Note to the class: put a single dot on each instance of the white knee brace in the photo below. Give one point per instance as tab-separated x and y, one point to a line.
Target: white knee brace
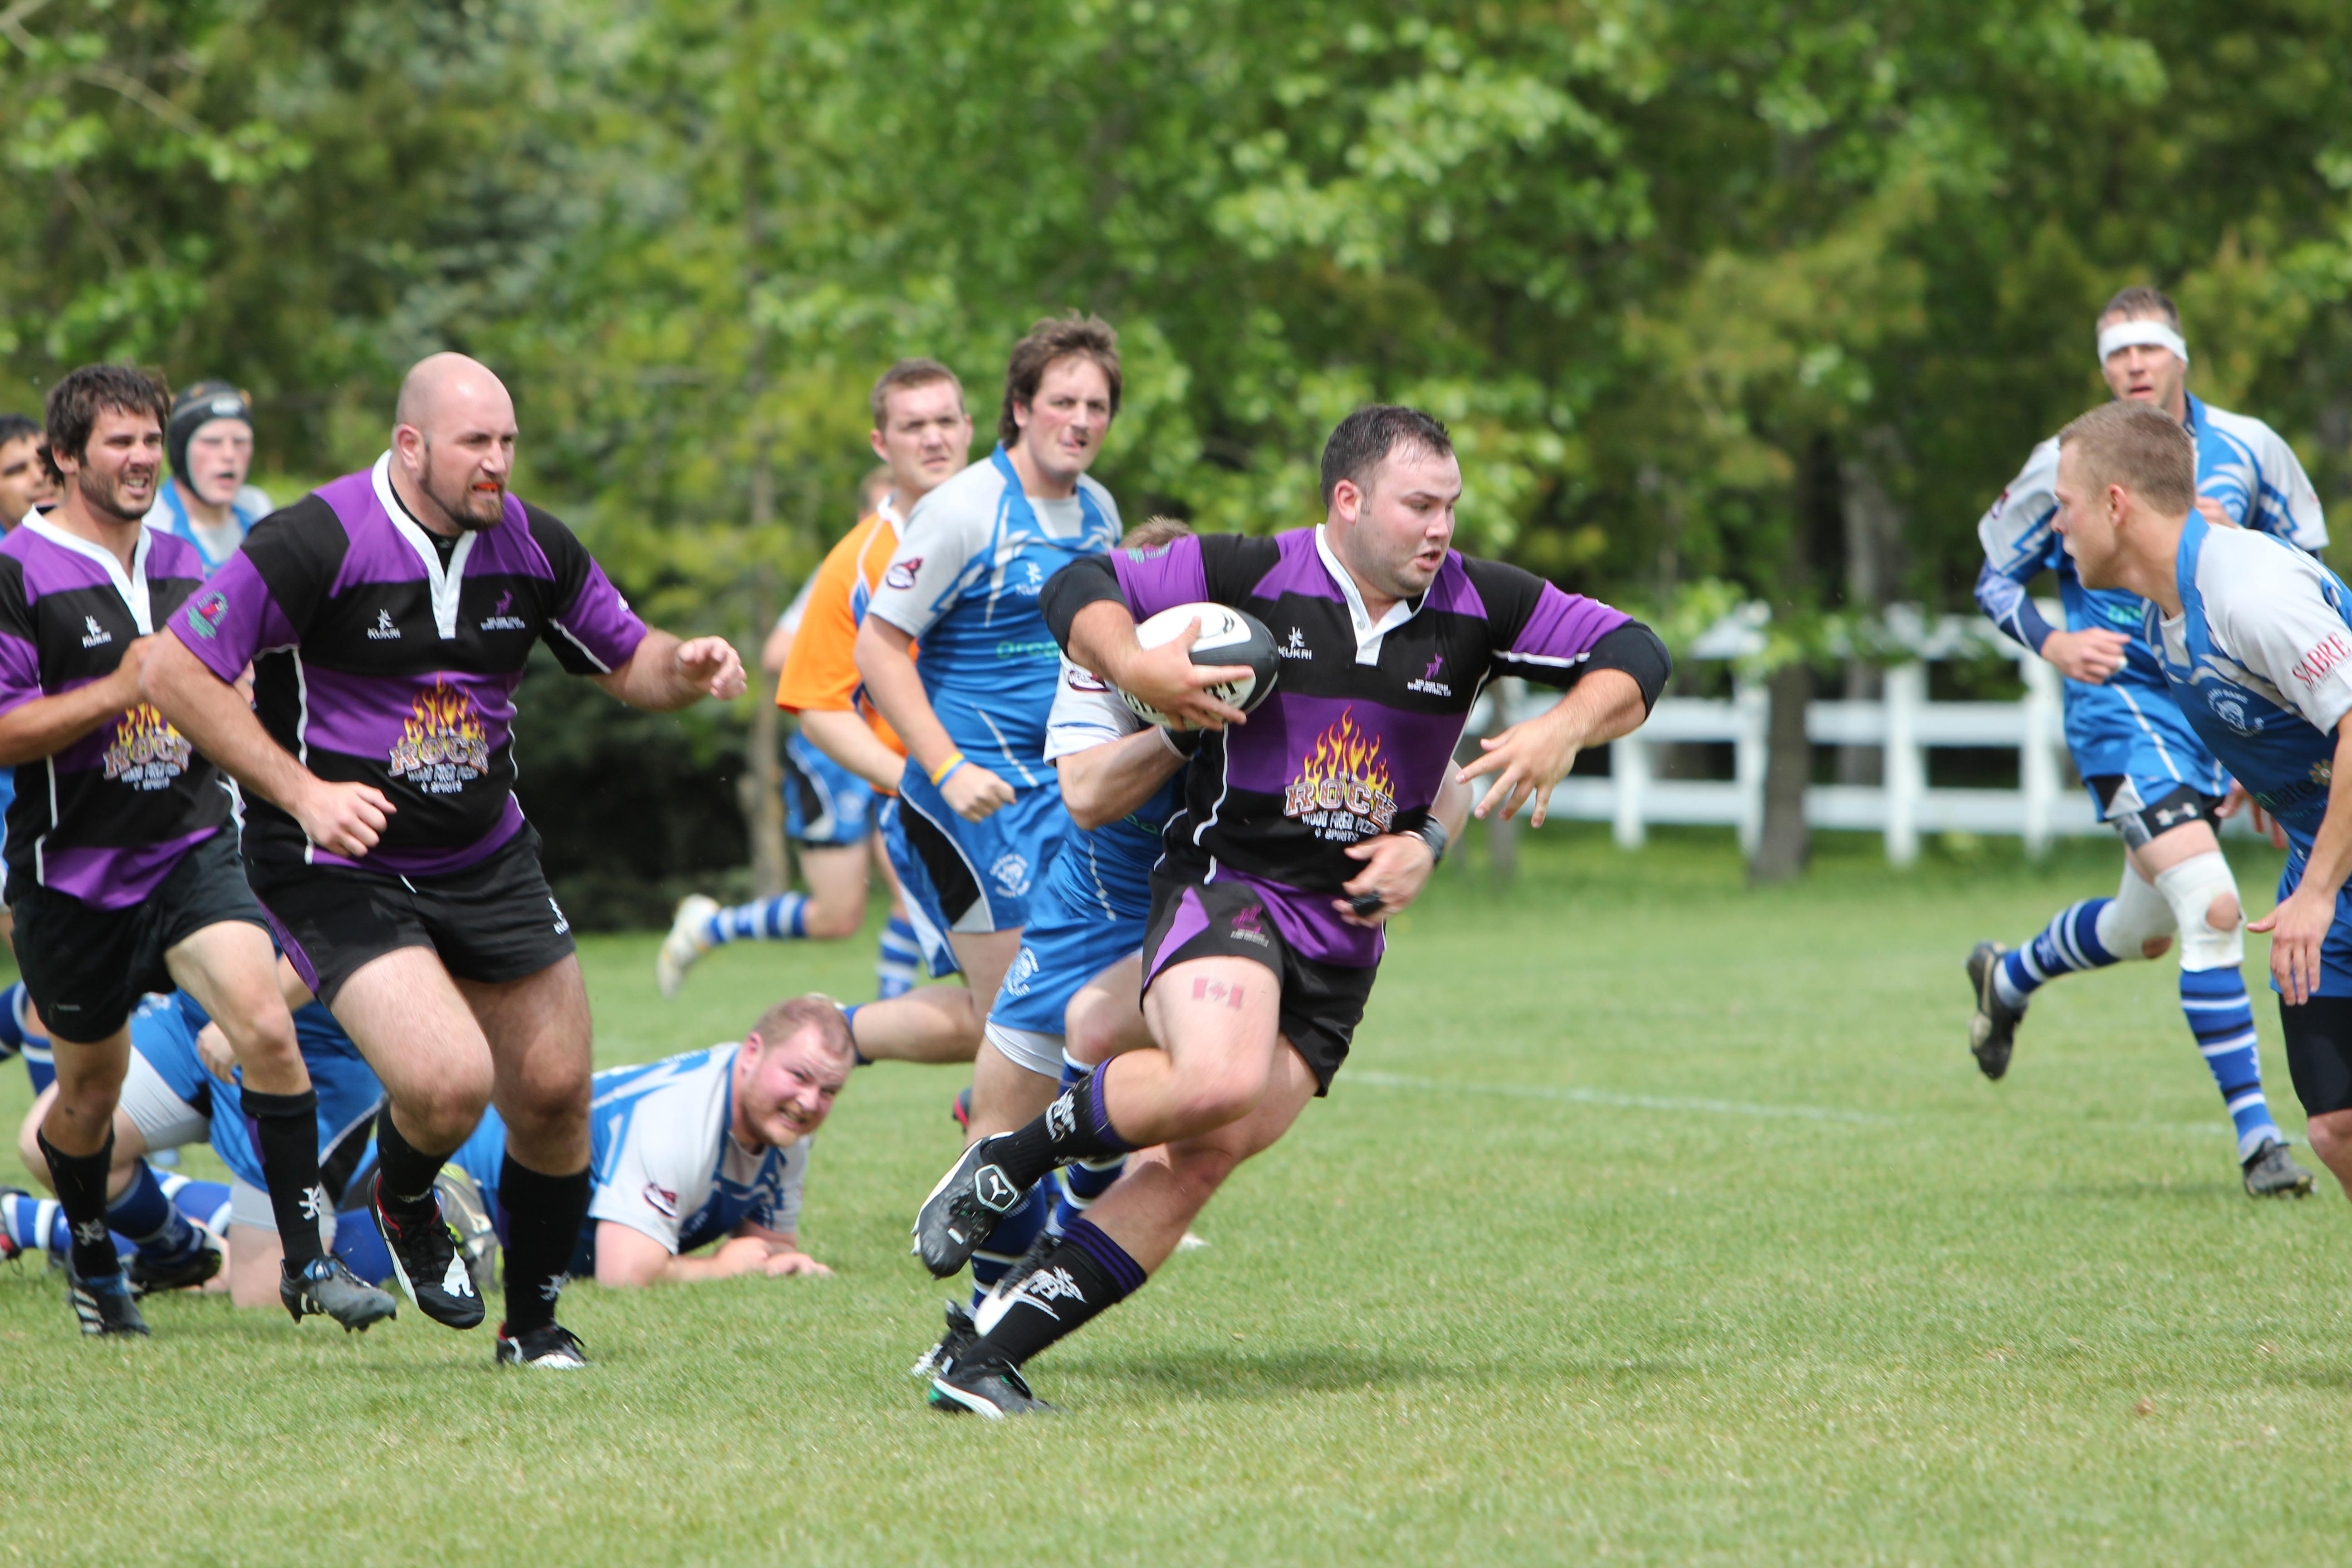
2137	915
2192	888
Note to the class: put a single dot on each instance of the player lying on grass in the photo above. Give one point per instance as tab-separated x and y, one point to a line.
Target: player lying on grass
711	1146
1306	828
2146	769
2255	641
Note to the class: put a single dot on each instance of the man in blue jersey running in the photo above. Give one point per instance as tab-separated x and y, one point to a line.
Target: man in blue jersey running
979	811
2255	643
2144	767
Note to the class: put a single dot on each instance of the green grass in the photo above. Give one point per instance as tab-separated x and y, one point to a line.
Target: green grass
1653	1220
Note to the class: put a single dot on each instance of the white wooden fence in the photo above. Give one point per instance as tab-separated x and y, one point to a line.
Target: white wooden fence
1903	724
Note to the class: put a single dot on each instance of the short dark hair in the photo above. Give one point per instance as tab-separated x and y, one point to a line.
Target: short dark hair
16	427
76	402
1368	435
789	1017
1074	335
2138	301
909	373
2140	447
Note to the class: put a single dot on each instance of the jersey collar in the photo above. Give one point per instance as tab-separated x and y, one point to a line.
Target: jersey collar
130	584
445	581
1368	636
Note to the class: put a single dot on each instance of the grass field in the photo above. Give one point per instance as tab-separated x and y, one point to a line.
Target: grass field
1653	1220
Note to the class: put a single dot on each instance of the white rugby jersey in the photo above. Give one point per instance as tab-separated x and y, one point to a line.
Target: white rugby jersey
666	1162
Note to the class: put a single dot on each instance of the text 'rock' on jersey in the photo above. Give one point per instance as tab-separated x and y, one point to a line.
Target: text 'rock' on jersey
106	817
377	663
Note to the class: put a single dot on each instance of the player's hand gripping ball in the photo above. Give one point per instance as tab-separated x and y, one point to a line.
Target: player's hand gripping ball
1228	636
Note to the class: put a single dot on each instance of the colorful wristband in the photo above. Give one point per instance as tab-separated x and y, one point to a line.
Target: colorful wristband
940	775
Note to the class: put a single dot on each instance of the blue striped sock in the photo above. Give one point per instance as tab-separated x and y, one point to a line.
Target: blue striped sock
894	958
1008	1241
205	1202
2223	1018
780	919
2068	944
143	1214
39	1225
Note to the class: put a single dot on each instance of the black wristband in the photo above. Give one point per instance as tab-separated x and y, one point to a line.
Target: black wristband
1433	833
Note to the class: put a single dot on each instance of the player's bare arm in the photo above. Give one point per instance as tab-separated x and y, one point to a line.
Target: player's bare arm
2089	656
888	665
47	725
1532	756
844	735
666	673
1103	784
343	819
2301	923
1102	639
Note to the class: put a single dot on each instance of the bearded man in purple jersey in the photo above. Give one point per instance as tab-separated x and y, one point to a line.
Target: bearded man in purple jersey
1307	825
388	616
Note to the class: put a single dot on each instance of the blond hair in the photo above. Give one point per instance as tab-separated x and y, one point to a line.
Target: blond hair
2140	447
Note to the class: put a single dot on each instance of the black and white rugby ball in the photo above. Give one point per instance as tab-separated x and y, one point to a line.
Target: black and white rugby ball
1227	636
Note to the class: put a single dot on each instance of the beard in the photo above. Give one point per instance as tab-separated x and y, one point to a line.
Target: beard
468	508
104	496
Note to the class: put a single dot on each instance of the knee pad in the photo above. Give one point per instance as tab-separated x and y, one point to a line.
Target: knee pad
2190	888
2137	915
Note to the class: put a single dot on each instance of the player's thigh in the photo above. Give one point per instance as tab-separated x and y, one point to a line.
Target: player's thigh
835	876
539	1033
1105	1017
1165	1188
255	1259
231	969
880	850
2169	849
1217	1017
984	956
1006	1095
408	1019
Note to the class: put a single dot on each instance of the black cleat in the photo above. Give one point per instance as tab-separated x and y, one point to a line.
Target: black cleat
953	1343
989	1388
963	1209
2271	1172
329	1289
961	1109
550	1347
425	1259
1992	1029
104	1307
148	1275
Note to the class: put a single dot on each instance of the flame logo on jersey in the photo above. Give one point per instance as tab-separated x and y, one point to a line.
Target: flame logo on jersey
443	747
147	754
1343	790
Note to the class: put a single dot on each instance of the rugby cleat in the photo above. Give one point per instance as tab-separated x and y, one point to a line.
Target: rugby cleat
460	1197
193	1268
991	1388
961	1109
685	943
550	1347
2271	1171
104	1305
10	1248
963	1209
953	1343
329	1289
1992	1027
425	1259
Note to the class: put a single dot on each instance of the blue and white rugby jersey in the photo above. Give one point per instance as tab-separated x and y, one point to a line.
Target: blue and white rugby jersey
170	515
965	579
666	1162
2112	727
1108	868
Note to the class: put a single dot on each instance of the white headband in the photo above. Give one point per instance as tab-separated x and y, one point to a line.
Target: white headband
2142	334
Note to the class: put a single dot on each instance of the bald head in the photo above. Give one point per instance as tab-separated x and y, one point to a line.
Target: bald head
453	444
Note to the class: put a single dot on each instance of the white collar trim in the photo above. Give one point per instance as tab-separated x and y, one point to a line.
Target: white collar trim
130	584
1368	636
445	581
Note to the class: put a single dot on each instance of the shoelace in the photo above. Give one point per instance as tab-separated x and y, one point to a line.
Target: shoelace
427	1237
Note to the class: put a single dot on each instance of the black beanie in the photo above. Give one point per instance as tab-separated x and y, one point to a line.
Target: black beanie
199	403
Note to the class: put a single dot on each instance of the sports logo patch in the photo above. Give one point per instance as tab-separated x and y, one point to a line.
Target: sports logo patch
1080	680
204	614
661	1200
146	752
443	747
901	573
1342	789
1023	970
1011	873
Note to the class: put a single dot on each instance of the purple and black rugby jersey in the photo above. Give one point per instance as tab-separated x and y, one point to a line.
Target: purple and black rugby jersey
1357	735
375	663
108	817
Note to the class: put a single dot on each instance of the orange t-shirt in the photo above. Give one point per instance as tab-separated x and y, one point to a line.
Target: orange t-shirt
820	670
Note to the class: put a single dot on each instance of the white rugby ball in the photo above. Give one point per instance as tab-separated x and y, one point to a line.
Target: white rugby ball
1227	636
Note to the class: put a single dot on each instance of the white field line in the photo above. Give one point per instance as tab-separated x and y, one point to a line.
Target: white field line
1615	1100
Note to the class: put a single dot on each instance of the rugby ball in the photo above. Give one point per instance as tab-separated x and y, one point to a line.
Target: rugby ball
1227	636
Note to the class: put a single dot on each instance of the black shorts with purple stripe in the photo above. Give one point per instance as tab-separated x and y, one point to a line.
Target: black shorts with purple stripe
493	922
1321	1002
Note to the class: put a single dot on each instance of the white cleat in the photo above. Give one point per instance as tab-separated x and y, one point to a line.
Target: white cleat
685	943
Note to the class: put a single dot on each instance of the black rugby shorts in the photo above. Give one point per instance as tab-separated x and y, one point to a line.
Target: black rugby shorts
86	968
2137	824
1321	1002
2319	1052
492	922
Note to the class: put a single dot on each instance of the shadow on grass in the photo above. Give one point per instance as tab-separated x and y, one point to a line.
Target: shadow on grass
1252	1375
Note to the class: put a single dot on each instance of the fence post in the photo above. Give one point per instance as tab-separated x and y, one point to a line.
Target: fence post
1906	766
1629	769
2037	758
1753	704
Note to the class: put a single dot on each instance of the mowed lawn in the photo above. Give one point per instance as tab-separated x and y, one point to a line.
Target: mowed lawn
1653	1220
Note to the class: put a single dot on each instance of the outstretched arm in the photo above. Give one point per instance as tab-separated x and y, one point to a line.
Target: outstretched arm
626	1257
1104	783
664	674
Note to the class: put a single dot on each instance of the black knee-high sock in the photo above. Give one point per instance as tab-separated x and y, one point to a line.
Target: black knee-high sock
408	1171
1087	1272
1077	1126
544	1214
81	1182
285	1129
